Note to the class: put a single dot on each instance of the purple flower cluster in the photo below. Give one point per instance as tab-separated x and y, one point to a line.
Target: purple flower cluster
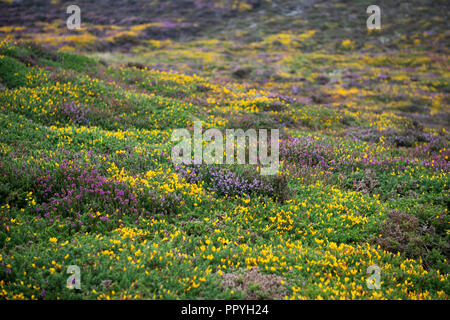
407	138
306	151
79	195
425	149
74	112
224	181
72	190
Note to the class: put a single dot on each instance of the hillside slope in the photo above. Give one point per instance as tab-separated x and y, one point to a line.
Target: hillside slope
87	178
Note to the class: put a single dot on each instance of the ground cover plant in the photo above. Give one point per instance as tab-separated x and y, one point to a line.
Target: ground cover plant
87	179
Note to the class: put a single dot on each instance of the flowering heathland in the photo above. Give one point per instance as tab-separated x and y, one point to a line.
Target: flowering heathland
87	179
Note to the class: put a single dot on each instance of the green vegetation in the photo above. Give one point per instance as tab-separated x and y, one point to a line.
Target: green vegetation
86	176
